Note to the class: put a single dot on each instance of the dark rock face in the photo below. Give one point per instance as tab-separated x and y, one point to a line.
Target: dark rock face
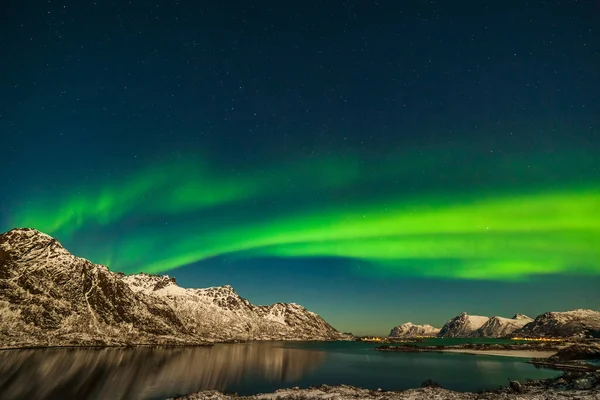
46	289
578	352
50	297
576	323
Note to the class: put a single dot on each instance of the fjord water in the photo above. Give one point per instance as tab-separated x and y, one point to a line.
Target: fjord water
245	368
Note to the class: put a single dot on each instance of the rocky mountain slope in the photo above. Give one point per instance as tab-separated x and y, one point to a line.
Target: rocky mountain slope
500	327
219	313
576	323
463	325
50	297
409	329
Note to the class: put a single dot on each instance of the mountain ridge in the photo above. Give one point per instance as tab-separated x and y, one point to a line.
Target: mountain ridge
462	325
579	323
50	297
500	327
408	329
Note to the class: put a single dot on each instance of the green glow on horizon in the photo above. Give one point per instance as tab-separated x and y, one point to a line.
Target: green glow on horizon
499	238
500	233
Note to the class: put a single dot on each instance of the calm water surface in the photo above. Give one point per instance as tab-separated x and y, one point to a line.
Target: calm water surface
157	373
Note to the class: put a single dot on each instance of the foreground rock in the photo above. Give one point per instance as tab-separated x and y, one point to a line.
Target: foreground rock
569	386
579	351
410	330
48	297
572	358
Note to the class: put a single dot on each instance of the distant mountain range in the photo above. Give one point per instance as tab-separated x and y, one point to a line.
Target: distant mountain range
465	325
576	323
49	297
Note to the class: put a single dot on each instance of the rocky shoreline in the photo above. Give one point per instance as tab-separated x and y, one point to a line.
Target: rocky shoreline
572	358
581	385
407	347
565	357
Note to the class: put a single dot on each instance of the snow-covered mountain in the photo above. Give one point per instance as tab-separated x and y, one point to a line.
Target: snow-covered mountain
50	297
409	329
466	325
463	325
219	313
576	323
500	326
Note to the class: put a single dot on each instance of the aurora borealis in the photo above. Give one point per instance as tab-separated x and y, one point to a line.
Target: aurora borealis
480	235
360	163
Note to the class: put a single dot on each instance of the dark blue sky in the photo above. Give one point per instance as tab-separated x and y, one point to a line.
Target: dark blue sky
321	108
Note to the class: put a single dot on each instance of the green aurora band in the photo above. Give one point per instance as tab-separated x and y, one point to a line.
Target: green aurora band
504	238
172	188
490	232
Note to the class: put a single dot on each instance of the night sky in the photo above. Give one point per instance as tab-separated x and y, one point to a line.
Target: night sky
376	161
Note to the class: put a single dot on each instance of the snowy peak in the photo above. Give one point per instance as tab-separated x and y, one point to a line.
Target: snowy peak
165	286
143	281
576	323
500	326
409	329
225	296
27	244
290	314
463	325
